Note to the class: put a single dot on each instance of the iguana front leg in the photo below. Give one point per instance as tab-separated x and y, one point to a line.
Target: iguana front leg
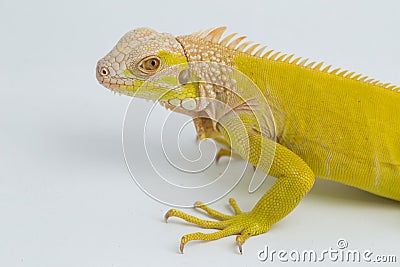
226	151
295	179
205	130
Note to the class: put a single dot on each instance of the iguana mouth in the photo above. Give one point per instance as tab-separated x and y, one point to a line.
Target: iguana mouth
121	86
117	88
187	105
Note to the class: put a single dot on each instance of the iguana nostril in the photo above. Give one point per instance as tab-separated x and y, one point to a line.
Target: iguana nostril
104	71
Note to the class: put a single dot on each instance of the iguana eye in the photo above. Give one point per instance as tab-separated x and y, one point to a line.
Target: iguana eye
149	65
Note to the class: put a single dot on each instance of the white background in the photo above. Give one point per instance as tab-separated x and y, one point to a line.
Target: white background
66	197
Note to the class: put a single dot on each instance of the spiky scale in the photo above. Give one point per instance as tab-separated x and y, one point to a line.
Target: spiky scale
241	47
273	57
287	60
303	62
326	69
215	35
296	60
226	40
204	33
281	57
269	52
375	82
252	48
318	66
342	73
310	65
235	42
260	51
369	80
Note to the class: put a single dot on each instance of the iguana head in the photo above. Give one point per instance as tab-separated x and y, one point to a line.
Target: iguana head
191	74
140	65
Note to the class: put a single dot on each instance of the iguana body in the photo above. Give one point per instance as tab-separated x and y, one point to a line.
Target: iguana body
329	123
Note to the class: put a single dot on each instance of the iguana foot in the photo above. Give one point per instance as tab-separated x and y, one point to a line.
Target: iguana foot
243	224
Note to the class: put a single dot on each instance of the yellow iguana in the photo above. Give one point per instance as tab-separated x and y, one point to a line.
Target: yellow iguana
333	124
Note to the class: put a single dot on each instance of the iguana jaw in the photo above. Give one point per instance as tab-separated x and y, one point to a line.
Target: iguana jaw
164	95
121	86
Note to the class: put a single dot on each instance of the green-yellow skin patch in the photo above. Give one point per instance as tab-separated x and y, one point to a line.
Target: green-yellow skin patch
172	59
164	81
351	126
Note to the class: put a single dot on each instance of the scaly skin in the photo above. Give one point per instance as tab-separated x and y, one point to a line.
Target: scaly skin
329	123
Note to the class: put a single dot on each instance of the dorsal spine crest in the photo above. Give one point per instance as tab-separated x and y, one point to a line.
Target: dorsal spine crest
214	35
